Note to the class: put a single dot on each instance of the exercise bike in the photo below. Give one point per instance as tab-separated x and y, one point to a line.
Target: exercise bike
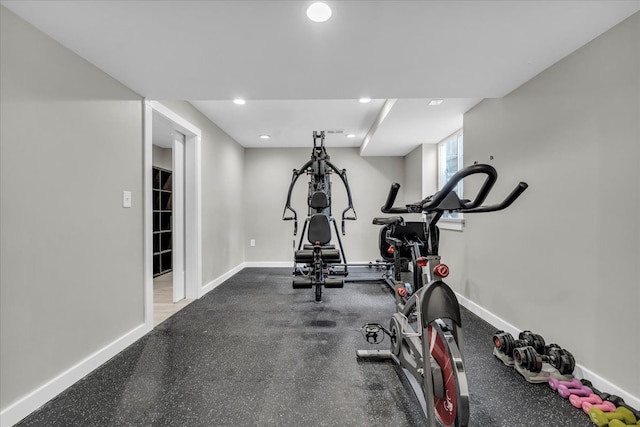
426	329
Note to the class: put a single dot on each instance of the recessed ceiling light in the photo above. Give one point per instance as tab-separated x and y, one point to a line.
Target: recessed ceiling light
351	135
436	101
319	12
364	100
239	101
265	136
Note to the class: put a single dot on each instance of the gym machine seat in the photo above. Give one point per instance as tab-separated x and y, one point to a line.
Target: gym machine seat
318	253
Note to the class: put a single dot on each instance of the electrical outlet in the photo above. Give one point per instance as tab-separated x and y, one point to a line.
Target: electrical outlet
252	242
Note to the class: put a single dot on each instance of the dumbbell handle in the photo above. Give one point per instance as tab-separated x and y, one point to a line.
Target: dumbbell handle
604	407
565	391
577	401
574	383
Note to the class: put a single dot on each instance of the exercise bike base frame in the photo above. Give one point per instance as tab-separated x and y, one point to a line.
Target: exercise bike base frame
387	355
443	411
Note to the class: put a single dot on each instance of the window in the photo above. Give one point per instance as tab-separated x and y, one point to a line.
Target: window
450	162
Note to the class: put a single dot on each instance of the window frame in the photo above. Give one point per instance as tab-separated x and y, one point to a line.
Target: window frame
451	223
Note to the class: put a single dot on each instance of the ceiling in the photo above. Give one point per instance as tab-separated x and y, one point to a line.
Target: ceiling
299	76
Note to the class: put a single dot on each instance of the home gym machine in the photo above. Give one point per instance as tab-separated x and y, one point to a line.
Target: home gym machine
426	329
317	260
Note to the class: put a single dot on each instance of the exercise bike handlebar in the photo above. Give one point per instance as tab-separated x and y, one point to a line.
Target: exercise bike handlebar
502	205
391	198
433	203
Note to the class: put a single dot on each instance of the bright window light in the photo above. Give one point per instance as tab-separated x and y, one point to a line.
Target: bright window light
239	101
450	161
265	136
319	12
364	100
351	135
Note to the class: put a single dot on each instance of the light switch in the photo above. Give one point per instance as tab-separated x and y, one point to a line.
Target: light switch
126	199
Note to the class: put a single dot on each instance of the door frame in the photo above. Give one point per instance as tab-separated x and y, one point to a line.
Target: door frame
192	204
178	226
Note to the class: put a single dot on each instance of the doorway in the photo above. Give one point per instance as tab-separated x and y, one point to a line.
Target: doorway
172	224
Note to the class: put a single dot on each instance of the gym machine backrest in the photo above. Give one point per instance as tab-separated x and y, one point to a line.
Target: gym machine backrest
319	228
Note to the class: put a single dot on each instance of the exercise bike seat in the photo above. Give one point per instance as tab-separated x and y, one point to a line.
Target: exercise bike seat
389	220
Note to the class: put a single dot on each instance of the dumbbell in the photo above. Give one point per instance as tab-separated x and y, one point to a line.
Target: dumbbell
505	342
621	413
574	383
559	358
570	388
565	391
577	401
616	400
604	407
618	423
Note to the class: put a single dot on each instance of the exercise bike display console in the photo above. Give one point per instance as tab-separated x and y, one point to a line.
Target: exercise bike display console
427	320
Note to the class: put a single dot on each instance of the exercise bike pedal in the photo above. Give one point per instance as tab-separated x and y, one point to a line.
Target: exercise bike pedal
374	333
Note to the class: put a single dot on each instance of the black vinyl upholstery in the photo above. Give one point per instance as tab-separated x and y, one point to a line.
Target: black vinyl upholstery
319	200
319	229
411	230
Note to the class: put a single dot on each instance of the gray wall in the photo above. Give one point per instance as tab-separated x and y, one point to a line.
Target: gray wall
162	157
267	178
429	169
72	257
413	175
222	166
563	261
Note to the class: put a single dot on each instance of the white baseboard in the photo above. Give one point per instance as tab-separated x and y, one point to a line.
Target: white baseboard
276	264
579	372
218	281
34	400
487	316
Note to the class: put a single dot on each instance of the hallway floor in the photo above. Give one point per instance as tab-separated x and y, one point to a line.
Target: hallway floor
255	352
163	305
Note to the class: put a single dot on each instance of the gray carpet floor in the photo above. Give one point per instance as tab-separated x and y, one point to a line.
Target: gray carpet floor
255	352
